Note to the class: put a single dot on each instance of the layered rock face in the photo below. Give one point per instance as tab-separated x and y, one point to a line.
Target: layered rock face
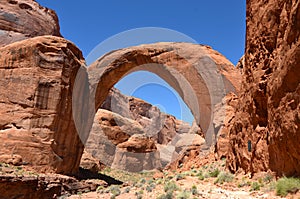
36	103
23	19
36	84
133	135
266	129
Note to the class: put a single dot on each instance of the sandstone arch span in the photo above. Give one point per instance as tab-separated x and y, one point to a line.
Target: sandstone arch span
200	75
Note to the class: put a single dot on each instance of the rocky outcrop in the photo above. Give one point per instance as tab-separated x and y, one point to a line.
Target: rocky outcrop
36	85
265	132
23	19
133	135
44	186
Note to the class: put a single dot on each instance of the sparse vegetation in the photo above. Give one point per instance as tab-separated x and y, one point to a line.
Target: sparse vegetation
214	173
194	190
100	189
115	190
168	195
287	185
170	186
201	177
268	178
179	177
224	177
243	183
174	185
183	195
255	186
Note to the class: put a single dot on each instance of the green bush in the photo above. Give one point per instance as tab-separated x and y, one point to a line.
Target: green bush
224	177
214	173
170	186
201	177
255	186
287	185
194	190
183	195
168	195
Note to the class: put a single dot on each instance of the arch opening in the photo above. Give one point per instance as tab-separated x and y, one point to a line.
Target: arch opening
131	134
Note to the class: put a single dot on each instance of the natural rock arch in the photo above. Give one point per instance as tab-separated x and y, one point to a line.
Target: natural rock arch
200	75
52	133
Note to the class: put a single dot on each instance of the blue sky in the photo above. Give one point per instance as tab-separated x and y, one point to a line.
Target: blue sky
220	24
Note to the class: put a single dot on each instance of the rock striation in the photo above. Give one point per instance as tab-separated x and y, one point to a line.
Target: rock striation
265	132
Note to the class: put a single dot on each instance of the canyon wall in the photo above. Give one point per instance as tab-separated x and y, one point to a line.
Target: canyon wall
265	132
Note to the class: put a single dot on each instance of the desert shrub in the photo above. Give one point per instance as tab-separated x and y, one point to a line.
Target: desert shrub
179	177
194	172
201	177
194	190
139	195
183	195
243	183
115	190
214	173
287	185
100	189
149	189
168	195
170	186
224	177
255	186
268	178
159	181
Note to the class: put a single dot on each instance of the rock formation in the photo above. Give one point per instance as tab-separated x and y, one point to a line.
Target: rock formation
47	107
134	137
36	103
226	111
23	19
200	75
265	132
